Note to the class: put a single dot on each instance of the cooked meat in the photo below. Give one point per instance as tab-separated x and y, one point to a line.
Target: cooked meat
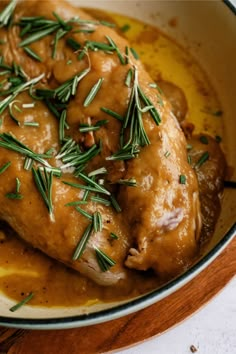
159	225
209	163
176	97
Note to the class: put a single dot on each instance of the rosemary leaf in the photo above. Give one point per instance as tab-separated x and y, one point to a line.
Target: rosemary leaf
202	159
104	261
135	54
115	204
22	303
82	243
5	167
78	202
131	182
99	171
7	13
112	114
103	201
84	213
182	179
32	54
93	92
44	184
114	236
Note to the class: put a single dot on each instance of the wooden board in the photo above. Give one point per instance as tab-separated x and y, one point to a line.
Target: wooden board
130	329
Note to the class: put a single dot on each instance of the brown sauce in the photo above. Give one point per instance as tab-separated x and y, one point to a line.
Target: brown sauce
24	269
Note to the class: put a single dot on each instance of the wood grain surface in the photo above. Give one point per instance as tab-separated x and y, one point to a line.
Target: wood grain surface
130	329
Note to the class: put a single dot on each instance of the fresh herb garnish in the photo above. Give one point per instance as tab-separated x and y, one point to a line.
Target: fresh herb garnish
125	28
203	139
114	46
71	42
131	182
43	182
112	114
167	154
99	171
32	54
97	221
9	142
64	92
16	90
5	167
202	159
16	194
7	12
139	104
103	201
84	213
93	92
31	124
28	164
114	236
104	261
22	303
74	157
91	182
182	179
83	241
115	204
135	54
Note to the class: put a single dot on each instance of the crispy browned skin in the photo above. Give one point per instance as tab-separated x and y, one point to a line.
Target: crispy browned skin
160	223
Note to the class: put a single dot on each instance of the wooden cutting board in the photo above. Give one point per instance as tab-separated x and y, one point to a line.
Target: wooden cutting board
131	329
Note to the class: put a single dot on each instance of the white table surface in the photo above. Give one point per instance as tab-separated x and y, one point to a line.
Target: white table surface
212	330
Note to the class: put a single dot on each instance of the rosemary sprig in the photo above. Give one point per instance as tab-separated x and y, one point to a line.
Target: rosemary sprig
28	164
32	54
97	221
16	194
93	92
5	167
71	42
22	303
74	157
104	261
131	182
39	27
19	88
204	157
115	204
91	182
99	171
182	179
65	91
112	113
9	142
7	13
114	236
62	125
77	202
84	213
85	187
43	182
114	46
84	128
138	104
83	241
59	34
135	54
103	201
